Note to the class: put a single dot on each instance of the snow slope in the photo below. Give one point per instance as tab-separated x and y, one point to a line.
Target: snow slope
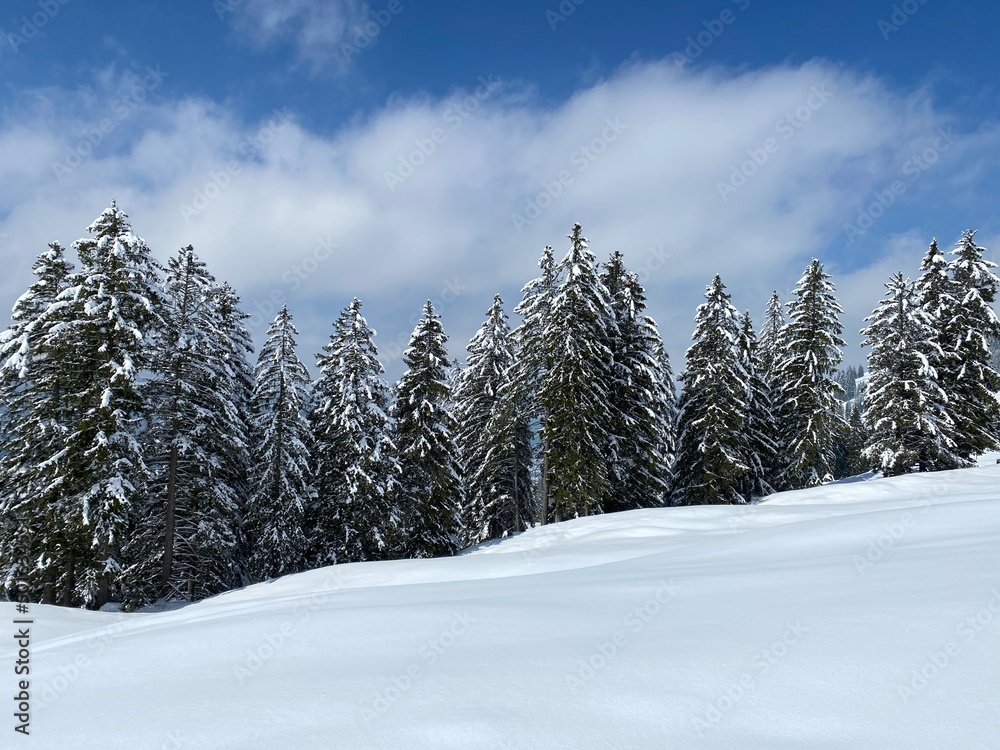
862	615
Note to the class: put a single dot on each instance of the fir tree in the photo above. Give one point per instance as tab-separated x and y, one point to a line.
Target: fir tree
711	449
758	425
33	422
282	474
770	346
430	492
108	339
850	449
354	518
495	453
810	413
575	394
186	542
906	414
770	353
968	322
523	396
640	402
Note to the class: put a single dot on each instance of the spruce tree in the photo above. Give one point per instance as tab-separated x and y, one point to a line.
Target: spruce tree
770	353
495	453
907	419
354	518
810	414
711	446
523	396
575	394
33	423
641	405
185	545
430	491
281	480
108	339
770	346
758	425
968	323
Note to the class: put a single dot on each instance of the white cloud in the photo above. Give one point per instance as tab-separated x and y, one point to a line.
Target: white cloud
274	192
317	28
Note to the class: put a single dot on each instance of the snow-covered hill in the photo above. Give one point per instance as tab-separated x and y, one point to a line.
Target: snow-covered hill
859	615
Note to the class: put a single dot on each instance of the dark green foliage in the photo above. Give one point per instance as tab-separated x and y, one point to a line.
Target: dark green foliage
430	491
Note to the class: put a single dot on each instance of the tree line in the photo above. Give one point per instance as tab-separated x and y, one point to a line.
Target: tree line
145	455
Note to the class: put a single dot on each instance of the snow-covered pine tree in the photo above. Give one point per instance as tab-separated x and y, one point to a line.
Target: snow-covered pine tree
575	395
185	544
711	444
496	455
770	347
641	405
770	351
668	447
906	415
758	425
108	339
852	459
354	518
522	397
33	422
810	413
966	374
281	482
430	491
236	349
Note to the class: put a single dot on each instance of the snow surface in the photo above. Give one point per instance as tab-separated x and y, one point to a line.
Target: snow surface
802	622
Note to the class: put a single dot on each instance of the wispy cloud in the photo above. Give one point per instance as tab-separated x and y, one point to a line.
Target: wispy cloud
652	189
317	28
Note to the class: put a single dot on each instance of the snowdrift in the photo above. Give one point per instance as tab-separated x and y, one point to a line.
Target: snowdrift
859	615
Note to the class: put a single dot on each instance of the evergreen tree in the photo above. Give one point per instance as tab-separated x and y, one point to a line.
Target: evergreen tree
758	426
185	545
354	518
851	459
906	414
770	346
810	413
640	402
282	475
495	454
575	394
711	449
33	421
106	343
430	492
523	395
968	322
235	468
770	353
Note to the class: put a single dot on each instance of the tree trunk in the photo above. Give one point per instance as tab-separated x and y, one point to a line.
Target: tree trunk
168	536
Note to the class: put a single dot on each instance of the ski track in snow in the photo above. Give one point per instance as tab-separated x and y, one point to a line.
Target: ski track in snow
834	617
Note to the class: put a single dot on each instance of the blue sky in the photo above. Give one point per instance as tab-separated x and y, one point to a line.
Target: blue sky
398	151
